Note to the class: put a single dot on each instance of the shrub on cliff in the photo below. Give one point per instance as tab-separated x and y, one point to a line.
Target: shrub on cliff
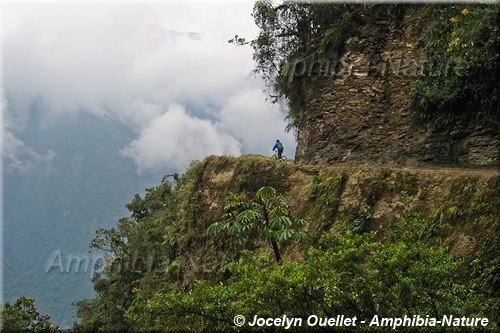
463	71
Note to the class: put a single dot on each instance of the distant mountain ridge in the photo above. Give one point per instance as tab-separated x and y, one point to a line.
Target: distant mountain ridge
58	205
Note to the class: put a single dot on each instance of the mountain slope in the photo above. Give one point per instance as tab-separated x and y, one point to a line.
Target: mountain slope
168	274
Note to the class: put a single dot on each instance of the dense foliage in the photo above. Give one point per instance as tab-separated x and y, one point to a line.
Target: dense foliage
23	316
149	284
461	80
347	273
137	251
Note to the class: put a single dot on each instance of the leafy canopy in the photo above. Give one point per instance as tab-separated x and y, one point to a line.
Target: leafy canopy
348	273
461	83
23	316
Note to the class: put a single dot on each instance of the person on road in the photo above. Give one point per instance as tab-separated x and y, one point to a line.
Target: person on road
279	147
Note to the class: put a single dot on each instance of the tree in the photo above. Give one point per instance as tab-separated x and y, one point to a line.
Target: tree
294	38
403	272
269	216
23	316
134	250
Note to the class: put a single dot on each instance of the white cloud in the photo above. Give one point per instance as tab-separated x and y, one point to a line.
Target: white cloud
103	57
246	124
134	61
175	139
255	123
17	156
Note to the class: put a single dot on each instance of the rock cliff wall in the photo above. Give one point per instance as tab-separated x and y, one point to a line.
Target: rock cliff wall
361	112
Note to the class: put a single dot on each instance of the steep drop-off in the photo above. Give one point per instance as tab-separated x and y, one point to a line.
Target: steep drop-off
168	274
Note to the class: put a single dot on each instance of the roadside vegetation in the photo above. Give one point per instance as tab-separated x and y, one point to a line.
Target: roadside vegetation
223	240
171	271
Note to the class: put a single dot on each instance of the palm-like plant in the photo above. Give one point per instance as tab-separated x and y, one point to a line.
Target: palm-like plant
269	215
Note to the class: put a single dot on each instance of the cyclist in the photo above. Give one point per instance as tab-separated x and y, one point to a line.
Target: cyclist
280	148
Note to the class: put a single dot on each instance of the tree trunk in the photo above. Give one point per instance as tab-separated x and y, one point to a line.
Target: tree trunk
276	252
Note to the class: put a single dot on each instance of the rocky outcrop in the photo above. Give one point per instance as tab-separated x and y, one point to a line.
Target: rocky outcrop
370	196
360	113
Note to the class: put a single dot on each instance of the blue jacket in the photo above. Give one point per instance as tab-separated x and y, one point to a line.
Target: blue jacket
278	145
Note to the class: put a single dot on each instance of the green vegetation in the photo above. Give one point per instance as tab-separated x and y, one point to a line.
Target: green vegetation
323	195
195	253
458	82
292	33
347	273
23	316
461	81
269	215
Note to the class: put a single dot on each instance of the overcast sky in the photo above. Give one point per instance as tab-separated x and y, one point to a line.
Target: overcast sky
164	68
